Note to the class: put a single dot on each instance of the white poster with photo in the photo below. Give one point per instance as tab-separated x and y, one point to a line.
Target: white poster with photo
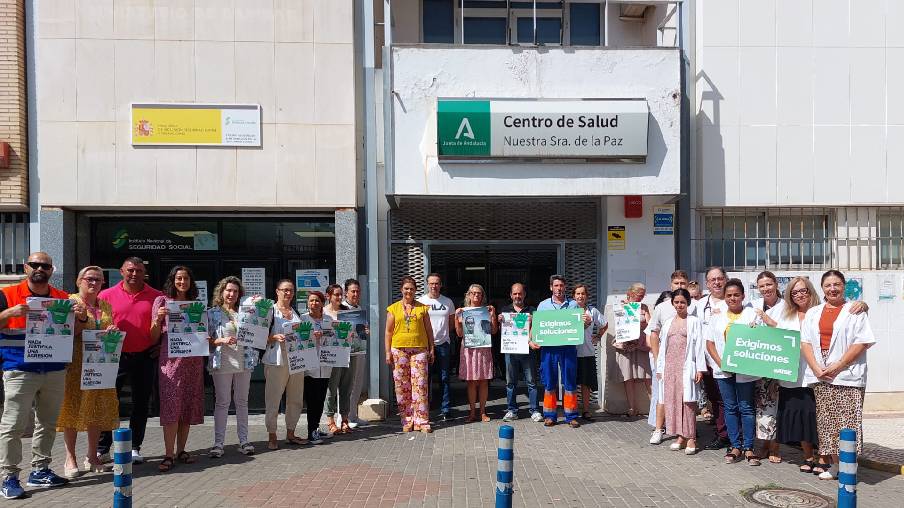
49	328
627	321
254	323
100	358
301	348
334	352
515	333
187	329
353	323
476	327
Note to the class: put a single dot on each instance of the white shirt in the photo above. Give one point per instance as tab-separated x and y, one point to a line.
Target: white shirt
707	308
441	311
597	321
774	312
849	329
791	323
716	334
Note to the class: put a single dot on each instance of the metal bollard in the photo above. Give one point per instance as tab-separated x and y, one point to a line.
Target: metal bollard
847	469
122	468
504	473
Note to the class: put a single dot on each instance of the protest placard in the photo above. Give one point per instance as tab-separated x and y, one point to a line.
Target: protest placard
627	321
187	329
334	352
254	323
762	351
515	333
301	348
476	326
357	338
100	358
49	325
564	327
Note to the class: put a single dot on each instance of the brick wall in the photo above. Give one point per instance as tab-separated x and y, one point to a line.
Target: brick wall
13	105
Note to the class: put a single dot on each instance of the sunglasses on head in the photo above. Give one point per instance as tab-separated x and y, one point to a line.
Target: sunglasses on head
43	266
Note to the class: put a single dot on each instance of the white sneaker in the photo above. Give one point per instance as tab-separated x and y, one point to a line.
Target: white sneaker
537	416
246	449
675	446
137	458
509	416
690	451
831	474
656	438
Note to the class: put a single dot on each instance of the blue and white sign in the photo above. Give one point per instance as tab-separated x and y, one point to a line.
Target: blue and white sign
664	220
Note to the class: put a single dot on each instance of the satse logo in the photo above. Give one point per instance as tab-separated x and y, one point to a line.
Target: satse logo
464	129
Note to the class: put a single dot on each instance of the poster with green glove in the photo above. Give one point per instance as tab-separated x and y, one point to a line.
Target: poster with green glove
49	325
187	329
254	323
564	327
301	347
101	351
762	351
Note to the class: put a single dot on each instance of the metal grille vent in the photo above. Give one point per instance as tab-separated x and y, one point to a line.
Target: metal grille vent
406	259
485	220
581	266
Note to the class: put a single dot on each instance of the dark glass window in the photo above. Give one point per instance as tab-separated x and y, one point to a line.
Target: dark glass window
438	21
585	24
548	30
485	30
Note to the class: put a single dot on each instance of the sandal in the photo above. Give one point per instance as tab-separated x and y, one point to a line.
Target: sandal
589	417
752	459
549	422
807	464
333	428
774	459
425	428
731	457
345	428
820	468
185	458
295	440
166	464
484	418
471	417
407	427
574	424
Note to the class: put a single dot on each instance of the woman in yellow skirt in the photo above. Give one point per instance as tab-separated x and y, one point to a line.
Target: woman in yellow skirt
87	410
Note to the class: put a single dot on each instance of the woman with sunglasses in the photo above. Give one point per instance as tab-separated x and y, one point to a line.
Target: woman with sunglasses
276	370
87	410
476	364
408	343
181	379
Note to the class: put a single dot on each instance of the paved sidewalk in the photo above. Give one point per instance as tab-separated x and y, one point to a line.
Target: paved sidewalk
883	445
604	463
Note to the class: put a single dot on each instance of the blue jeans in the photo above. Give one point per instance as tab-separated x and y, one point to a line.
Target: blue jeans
443	356
515	367
740	412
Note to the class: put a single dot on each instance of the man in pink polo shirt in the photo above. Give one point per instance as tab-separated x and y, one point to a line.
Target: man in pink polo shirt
131	300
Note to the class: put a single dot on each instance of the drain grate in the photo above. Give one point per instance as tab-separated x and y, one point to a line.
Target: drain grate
787	498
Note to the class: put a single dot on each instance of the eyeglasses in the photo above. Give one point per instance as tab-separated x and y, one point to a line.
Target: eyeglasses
800	292
92	280
716	279
285	290
40	266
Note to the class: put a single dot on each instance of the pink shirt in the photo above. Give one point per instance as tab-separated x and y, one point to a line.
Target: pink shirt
132	314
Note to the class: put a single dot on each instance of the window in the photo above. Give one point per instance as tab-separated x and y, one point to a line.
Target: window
438	21
14	243
584	24
890	236
549	30
484	30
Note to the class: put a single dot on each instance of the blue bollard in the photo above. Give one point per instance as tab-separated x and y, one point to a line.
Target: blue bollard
122	468
504	473
847	469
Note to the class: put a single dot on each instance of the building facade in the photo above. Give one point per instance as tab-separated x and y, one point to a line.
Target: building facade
124	97
797	142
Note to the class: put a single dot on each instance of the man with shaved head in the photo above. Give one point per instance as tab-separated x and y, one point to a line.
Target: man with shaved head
518	366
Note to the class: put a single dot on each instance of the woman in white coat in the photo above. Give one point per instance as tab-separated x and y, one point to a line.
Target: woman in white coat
736	389
834	342
681	364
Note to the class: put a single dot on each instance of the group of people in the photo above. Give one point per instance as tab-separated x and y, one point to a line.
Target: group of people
687	339
677	357
52	391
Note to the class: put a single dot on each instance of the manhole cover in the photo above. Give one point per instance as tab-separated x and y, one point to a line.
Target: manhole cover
788	498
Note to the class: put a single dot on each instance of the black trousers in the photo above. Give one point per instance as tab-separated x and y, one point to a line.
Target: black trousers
140	370
314	397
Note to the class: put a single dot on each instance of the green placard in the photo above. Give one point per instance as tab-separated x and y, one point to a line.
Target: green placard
463	128
762	351
558	327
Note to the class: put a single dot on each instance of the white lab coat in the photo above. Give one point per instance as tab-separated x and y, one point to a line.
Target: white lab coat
716	334
694	357
849	329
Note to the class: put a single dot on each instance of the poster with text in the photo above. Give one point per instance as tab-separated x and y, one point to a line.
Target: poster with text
627	321
254	280
356	322
515	332
307	281
49	325
562	327
475	323
187	329
334	352
100	358
301	348
762	351
254	323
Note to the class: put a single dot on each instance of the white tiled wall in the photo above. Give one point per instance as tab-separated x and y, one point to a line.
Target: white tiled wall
293	57
811	85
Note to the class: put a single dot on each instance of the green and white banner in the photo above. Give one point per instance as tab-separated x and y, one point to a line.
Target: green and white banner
762	351
551	128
